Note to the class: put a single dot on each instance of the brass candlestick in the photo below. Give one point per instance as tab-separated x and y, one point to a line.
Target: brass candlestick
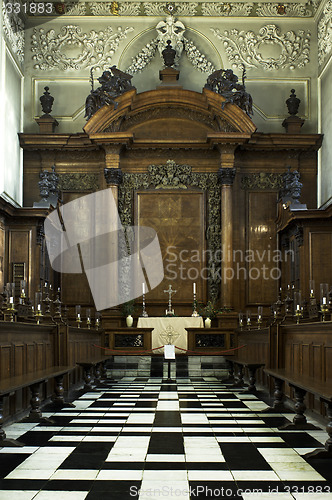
11	310
88	318
324	310
298	315
38	315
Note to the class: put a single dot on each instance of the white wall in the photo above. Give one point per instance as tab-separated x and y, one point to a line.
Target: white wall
326	129
11	120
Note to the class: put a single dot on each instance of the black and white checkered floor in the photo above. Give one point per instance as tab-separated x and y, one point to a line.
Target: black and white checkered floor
149	439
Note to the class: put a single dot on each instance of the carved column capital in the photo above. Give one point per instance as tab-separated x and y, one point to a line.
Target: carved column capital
226	176
113	176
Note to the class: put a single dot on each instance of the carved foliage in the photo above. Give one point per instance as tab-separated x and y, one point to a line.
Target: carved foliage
244	48
170	112
78	182
159	9
197	59
93	48
262	181
165	30
325	33
226	9
13	29
283	10
173	176
107	8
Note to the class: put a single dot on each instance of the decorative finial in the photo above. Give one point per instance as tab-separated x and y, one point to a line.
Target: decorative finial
293	103
46	101
169	55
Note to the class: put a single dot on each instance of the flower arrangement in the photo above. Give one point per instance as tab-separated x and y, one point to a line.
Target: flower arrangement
128	308
210	310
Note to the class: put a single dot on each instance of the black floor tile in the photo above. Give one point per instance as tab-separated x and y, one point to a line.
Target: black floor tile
243	456
92	461
167	419
68	485
162	442
22	484
9	462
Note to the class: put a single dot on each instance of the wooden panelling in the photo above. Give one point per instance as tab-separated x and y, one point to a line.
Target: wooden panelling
307	349
179	219
261	275
19	358
328	362
5	357
320	246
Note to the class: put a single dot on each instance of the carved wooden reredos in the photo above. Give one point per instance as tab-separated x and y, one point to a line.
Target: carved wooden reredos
176	161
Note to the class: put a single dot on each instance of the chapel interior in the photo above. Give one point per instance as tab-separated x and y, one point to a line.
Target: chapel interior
165	250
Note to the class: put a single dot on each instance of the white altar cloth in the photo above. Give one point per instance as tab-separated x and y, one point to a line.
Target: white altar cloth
170	330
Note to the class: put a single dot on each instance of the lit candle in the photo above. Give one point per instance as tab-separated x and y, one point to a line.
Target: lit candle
324	301
194	288
143	288
11	300
298	307
38	307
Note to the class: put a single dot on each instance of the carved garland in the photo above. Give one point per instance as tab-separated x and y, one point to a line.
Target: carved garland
93	48
173	176
262	181
243	48
78	182
325	33
195	56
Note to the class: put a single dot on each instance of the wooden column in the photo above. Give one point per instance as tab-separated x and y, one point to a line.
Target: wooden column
226	176
113	178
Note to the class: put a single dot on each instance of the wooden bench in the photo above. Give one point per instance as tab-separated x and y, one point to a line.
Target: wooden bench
33	381
301	385
251	366
98	367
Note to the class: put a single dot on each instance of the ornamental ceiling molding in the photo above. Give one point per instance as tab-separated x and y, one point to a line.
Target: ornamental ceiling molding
115	9
171	29
180	8
13	29
325	33
227	9
244	48
283	10
95	48
212	9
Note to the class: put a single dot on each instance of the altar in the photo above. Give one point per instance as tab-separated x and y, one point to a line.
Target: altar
170	330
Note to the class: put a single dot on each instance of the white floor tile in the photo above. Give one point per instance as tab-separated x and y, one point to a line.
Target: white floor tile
61	495
75	474
17	494
118	475
208	475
